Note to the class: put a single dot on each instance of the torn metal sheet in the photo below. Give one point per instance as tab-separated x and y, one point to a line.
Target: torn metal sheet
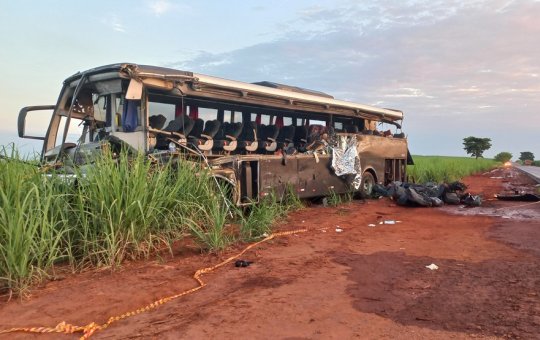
345	159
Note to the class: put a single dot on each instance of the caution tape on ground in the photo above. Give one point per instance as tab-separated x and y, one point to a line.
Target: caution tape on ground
93	327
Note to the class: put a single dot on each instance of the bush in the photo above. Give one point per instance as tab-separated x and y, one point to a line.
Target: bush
503	157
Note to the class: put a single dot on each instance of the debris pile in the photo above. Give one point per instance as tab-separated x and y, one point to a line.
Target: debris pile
518	196
428	195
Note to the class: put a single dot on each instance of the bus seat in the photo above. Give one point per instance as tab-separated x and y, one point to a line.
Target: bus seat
181	124
300	138
267	138
248	138
211	128
198	128
285	137
176	131
229	137
205	140
157	121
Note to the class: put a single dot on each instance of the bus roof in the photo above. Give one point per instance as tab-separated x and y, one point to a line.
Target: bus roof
296	98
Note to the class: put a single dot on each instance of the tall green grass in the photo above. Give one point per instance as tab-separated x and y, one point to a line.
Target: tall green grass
258	219
120	208
33	222
446	169
127	208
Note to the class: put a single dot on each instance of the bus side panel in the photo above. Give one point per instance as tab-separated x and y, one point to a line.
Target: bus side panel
375	150
277	174
316	178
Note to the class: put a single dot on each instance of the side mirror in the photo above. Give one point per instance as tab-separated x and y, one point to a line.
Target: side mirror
21	123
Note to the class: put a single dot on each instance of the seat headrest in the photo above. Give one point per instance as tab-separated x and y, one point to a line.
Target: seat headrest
157	121
212	127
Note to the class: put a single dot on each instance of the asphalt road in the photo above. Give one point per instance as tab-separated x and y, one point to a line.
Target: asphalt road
534	171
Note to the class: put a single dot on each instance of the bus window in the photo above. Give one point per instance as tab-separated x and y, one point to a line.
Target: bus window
74	133
165	109
287	121
100	108
317	122
265	119
231	116
207	114
338	126
238	117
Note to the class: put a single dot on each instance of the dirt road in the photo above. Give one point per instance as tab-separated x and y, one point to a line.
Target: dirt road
363	282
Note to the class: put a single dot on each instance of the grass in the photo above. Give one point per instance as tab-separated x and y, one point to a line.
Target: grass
125	208
446	169
335	199
119	209
136	210
258	219
33	223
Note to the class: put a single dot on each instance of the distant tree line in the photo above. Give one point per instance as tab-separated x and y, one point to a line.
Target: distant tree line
475	146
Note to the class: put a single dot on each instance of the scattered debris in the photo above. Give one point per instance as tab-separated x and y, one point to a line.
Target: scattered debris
472	201
432	266
338	229
427	195
371	225
242	263
523	197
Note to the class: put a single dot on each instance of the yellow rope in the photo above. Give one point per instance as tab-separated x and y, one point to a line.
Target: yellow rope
93	327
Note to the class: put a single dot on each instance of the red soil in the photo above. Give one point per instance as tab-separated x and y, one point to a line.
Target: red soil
363	282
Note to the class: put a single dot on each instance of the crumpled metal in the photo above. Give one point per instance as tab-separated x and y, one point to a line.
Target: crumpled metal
345	159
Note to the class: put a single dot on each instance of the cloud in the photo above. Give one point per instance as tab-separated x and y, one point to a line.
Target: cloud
115	23
159	7
466	66
408	92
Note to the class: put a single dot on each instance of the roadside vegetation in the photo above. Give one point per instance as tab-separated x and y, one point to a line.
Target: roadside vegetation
440	169
503	157
128	208
121	209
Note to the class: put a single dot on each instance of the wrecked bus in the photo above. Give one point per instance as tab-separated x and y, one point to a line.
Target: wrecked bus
259	138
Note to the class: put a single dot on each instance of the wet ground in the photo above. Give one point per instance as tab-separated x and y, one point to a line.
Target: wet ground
363	282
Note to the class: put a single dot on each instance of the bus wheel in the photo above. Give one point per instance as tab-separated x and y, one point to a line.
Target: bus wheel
367	184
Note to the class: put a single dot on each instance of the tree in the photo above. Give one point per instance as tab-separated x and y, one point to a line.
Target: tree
503	157
476	146
526	156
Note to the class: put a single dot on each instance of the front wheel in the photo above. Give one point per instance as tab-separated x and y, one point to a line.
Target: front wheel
367	184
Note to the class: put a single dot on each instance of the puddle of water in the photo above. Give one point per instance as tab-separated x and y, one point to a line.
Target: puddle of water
524	211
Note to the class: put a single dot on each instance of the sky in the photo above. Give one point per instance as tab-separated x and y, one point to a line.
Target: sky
456	68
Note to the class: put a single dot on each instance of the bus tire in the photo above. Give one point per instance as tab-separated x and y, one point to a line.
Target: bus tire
367	184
